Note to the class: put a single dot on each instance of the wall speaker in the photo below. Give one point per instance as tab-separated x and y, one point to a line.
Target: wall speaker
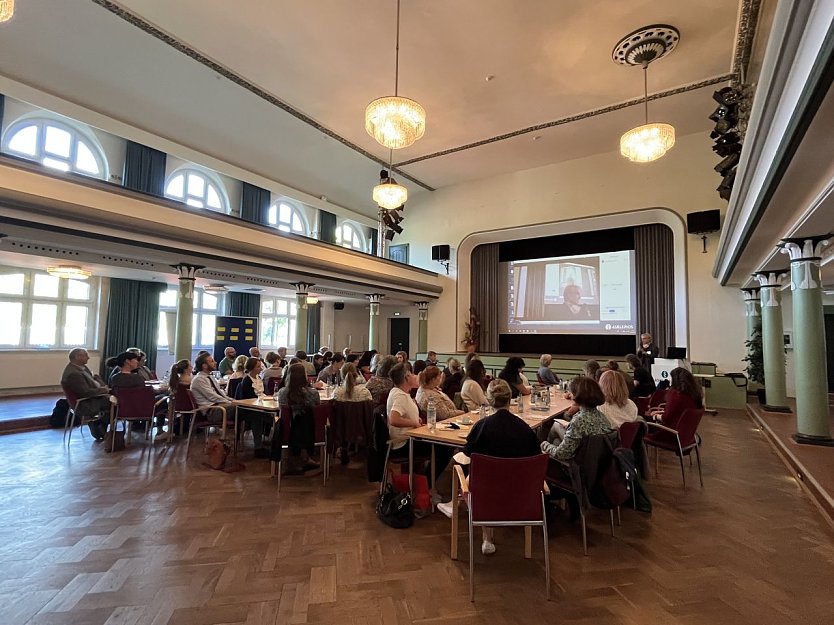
338	305
704	221
440	252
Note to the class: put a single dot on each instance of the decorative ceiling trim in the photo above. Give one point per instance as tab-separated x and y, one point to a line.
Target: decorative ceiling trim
573	118
154	31
748	20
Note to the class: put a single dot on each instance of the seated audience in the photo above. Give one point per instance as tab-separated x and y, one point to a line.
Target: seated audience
354	358
318	363
227	365
351	388
512	375
380	385
643	381
618	408
404	415
282	354
127	362
208	394
502	435
258	421
375	360
142	368
346	352
364	363
309	368
332	374
684	392
586	422
469	358
418	367
254	352
472	389
111	366
240	367
431	359
429	380
78	378
324	349
300	397
545	373
401	356
452	378
328	356
181	373
591	369
274	369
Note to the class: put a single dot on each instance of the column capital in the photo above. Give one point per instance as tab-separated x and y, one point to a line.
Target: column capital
422	305
302	288
804	248
375	298
186	271
751	294
770	278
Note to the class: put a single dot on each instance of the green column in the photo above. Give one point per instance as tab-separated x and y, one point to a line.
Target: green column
301	292
773	341
422	327
810	370
185	310
373	320
753	311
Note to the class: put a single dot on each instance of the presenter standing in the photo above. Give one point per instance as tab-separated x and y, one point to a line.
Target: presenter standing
647	351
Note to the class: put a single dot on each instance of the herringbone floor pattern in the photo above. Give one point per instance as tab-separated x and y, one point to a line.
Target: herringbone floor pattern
140	538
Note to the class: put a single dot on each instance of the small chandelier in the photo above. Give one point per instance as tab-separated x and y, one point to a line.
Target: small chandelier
72	272
650	141
388	193
6	10
394	121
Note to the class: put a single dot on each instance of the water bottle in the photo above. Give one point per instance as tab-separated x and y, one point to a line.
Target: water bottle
431	415
483	411
547	397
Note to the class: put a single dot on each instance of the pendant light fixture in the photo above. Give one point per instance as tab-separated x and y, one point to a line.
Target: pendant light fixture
6	10
394	121
389	194
650	141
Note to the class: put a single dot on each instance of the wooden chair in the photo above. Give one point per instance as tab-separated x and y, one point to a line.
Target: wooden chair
681	442
135	404
501	492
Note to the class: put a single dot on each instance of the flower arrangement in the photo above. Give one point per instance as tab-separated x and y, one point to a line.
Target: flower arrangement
473	331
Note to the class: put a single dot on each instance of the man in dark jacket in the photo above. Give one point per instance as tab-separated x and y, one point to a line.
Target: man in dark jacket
80	381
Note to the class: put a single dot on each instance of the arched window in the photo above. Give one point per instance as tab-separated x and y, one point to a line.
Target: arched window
198	189
287	218
56	144
349	235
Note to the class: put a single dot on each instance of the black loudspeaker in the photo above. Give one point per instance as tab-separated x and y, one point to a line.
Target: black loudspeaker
338	305
705	221
440	252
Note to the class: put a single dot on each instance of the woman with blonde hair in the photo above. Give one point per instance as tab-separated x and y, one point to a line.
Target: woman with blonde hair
429	381
618	408
351	389
239	367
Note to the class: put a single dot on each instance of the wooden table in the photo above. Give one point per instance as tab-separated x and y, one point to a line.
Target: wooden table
445	435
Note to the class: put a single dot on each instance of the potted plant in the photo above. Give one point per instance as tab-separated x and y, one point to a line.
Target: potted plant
755	362
473	331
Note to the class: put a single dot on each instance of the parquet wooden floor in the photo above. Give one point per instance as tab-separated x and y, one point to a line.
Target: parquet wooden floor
140	538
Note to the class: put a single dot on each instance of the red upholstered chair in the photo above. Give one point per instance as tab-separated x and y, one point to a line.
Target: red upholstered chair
321	416
183	404
134	404
232	385
681	442
312	379
642	404
502	492
74	402
271	383
657	398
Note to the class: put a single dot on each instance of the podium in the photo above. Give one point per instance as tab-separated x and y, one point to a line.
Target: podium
662	368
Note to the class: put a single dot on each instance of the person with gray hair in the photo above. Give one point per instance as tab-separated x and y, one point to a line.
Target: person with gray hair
545	373
80	381
501	434
380	384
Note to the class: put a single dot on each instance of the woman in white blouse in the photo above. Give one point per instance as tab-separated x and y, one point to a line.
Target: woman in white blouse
472	390
618	408
351	389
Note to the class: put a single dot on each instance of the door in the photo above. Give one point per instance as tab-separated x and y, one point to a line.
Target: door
829	341
398	336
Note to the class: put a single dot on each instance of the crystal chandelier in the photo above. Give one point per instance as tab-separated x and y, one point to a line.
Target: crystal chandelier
394	121
389	194
72	272
6	10
650	141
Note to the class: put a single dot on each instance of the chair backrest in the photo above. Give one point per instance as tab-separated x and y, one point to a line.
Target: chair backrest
592	460
642	404
657	398
72	398
457	400
506	489
184	400
136	402
321	415
320	412
539	378
688	425
630	431
312	379
231	387
271	383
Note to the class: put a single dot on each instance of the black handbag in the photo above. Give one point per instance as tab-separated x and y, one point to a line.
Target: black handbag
395	509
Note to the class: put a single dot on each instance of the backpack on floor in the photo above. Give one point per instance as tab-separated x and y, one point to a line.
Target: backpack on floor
58	418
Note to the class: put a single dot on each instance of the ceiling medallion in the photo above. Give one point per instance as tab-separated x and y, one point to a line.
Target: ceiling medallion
650	141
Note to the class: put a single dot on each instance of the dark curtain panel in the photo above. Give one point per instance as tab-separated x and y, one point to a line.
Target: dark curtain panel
484	297
132	318
313	328
655	268
243	304
2	107
534	300
254	204
327	227
144	169
374	240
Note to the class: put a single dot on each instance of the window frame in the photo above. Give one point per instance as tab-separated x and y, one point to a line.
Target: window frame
77	133
291	316
295	210
199	312
210	179
357	230
28	299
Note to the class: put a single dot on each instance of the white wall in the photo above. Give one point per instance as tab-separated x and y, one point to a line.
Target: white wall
683	181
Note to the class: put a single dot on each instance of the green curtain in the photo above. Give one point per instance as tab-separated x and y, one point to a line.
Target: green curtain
327	227
313	327
144	169
374	233
132	318
243	304
254	204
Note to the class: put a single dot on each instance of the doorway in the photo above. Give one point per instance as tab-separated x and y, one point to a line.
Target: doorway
398	335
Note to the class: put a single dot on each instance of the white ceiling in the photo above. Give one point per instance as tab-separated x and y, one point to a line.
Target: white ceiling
329	58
